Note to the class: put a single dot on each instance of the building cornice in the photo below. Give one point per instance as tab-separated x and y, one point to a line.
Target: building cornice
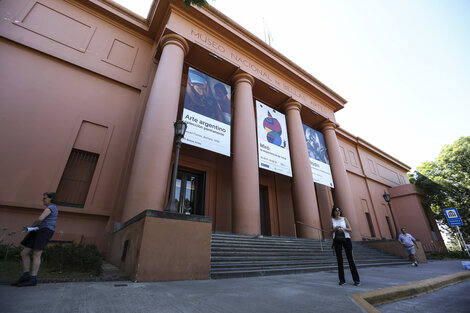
214	19
368	146
314	82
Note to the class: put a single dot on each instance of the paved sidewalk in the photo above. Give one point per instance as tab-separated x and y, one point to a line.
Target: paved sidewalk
313	292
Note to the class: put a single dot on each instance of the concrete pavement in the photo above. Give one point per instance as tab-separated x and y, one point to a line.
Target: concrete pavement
453	298
312	292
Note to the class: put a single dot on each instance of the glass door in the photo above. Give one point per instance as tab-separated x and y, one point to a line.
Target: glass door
189	192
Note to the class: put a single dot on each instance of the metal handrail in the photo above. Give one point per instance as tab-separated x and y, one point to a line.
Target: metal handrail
319	230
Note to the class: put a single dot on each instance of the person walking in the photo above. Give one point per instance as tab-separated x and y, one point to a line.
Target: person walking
35	241
342	238
408	243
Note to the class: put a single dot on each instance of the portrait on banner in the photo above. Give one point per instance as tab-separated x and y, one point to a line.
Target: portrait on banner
318	156
207	111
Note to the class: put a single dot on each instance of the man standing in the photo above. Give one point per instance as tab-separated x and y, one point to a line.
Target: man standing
35	242
408	243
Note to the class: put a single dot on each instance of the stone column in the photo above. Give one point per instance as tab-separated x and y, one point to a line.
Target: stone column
147	187
305	201
245	179
342	193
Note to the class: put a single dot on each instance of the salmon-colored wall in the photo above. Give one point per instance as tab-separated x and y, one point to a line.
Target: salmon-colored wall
381	210
79	228
222	216
63	66
73	78
133	233
54	118
71	32
370	173
396	248
411	214
164	247
363	205
325	205
285	205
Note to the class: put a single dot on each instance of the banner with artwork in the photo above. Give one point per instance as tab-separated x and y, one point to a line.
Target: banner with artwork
273	144
207	111
318	156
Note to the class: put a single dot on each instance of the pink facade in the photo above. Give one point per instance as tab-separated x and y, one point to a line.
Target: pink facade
87	80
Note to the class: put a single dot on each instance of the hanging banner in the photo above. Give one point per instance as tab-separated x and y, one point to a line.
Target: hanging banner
318	156
207	112
273	145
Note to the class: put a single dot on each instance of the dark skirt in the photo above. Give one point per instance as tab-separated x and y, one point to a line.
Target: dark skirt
37	240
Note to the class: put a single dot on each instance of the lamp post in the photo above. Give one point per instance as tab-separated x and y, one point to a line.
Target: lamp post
180	129
387	199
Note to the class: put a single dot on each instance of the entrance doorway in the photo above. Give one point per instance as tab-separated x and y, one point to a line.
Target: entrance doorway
190	192
264	211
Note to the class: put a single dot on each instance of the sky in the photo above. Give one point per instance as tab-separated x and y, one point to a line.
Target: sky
402	65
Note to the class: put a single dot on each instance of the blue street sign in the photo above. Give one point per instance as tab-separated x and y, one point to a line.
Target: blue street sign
453	217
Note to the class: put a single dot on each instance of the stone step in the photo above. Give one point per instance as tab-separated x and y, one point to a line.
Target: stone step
216	274
274	252
243	255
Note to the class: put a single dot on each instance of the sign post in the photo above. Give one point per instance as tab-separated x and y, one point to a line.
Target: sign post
453	218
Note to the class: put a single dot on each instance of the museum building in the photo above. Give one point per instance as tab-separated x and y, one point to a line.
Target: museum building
89	96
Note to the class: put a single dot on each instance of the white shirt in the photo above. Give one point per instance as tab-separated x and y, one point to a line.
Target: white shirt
407	240
342	223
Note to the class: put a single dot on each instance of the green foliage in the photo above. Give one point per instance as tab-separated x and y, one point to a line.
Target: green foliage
73	257
448	255
446	183
10	253
199	3
7	250
62	260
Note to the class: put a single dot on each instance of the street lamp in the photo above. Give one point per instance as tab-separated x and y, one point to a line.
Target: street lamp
387	199
180	129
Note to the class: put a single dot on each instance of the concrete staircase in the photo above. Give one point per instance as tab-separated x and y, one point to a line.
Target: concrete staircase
242	256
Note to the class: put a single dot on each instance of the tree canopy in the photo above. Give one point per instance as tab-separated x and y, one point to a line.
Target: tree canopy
446	183
199	3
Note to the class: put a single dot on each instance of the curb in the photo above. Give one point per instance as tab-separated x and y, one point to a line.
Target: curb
54	280
368	300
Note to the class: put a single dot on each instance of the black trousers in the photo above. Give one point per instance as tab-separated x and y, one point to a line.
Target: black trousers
339	257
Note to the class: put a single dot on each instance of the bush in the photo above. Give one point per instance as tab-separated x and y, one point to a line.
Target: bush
73	257
447	255
10	253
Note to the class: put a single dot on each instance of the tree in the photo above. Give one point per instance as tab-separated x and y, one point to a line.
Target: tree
446	183
198	3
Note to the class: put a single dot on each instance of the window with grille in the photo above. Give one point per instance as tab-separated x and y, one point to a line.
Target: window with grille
76	179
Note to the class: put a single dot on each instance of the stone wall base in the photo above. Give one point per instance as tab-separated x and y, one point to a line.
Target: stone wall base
396	248
163	246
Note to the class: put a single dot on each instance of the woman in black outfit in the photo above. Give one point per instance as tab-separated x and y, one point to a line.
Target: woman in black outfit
341	238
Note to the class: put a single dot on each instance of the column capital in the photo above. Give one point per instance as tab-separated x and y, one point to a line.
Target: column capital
243	77
175	39
291	105
329	125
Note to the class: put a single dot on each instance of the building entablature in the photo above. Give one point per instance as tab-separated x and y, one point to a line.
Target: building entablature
230	42
223	38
